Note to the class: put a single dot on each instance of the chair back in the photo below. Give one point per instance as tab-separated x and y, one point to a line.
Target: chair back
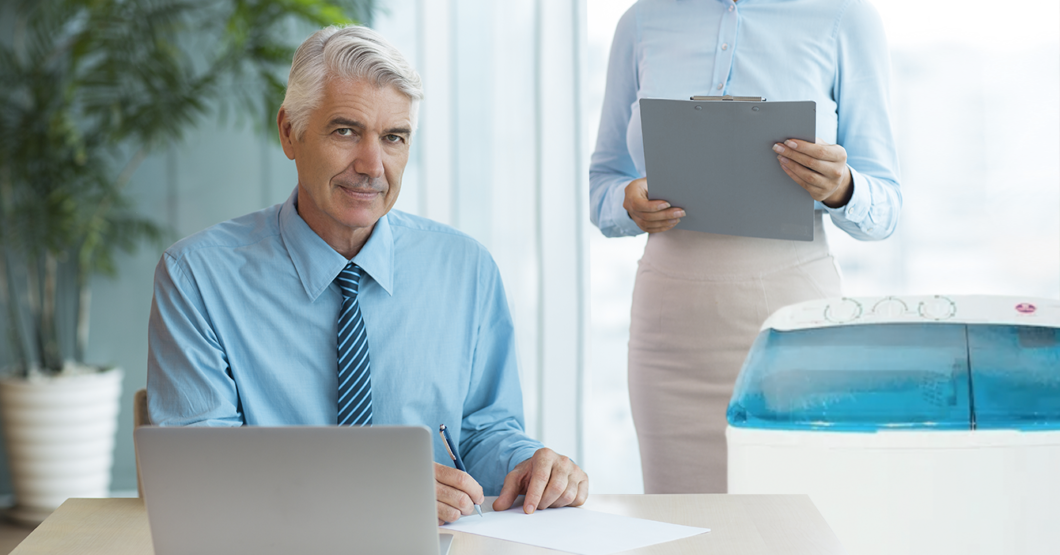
140	418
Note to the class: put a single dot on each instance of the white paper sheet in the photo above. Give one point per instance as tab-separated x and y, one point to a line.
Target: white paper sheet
573	530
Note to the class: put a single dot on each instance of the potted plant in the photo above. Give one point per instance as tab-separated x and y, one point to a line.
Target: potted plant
90	89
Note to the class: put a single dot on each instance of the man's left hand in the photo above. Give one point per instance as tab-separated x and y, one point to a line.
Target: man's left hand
548	479
820	168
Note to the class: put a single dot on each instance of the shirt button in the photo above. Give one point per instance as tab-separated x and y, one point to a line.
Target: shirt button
731	8
719	86
725	46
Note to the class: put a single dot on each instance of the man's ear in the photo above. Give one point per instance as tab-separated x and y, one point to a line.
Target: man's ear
286	130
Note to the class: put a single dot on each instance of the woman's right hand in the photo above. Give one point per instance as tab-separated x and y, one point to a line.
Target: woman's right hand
652	216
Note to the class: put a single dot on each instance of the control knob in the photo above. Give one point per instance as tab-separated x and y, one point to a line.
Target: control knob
937	308
846	310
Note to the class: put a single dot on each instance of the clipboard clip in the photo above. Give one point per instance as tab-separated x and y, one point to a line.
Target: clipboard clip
729	97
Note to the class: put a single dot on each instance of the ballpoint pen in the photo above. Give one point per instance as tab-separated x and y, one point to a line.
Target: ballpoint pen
453	454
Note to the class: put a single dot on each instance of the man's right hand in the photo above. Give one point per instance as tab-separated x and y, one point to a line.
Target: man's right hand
652	216
457	493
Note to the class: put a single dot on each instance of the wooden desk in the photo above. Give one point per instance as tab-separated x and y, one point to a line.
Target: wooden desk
740	524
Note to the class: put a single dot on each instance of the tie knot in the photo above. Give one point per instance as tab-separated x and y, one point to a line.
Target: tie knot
348	279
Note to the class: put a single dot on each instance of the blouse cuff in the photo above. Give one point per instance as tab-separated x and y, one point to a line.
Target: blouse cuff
857	209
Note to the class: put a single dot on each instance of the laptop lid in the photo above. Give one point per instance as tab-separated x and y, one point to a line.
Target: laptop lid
289	490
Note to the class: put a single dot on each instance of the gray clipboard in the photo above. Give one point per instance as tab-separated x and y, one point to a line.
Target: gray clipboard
715	159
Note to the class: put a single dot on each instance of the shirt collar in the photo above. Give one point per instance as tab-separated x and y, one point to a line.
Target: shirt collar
376	257
317	264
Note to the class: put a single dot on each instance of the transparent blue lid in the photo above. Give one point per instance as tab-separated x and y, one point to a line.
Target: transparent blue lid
901	376
1015	377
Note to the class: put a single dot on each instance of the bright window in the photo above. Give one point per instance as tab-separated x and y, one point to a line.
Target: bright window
976	111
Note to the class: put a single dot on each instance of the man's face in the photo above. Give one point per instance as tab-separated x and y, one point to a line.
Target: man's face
350	158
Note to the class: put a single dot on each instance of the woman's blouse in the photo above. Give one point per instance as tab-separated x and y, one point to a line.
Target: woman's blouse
833	52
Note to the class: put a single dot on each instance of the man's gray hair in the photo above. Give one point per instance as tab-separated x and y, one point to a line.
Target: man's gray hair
351	52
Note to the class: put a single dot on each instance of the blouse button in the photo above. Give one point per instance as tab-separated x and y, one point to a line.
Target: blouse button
725	46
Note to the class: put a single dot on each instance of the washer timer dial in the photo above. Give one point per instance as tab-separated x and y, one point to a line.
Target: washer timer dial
845	310
890	307
938	308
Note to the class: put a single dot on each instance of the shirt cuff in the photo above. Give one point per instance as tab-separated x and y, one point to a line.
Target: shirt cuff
857	209
520	455
626	226
615	219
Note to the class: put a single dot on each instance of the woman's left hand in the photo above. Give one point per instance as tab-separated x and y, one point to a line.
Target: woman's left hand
820	168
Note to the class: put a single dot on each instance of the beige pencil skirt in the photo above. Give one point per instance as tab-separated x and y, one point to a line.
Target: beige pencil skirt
698	303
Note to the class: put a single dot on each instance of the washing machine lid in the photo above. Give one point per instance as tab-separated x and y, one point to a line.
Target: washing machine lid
902	374
1015	377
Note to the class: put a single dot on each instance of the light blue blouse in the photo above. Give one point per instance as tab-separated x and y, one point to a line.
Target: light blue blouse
833	52
244	323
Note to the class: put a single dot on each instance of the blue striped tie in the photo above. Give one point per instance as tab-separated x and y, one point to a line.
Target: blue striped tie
355	376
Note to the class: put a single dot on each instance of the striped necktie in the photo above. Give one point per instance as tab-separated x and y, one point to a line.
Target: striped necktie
355	380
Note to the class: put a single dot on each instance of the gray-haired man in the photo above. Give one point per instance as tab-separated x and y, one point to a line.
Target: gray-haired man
331	308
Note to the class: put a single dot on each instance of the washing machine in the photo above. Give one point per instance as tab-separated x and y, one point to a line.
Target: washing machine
919	425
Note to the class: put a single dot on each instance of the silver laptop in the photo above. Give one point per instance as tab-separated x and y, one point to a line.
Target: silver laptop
310	490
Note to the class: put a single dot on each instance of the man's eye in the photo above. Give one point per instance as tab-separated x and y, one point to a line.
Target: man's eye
392	138
344	132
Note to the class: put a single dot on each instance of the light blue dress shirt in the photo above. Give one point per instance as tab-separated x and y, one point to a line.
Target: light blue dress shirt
833	52
244	323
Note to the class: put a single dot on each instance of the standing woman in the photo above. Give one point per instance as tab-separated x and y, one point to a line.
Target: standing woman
700	298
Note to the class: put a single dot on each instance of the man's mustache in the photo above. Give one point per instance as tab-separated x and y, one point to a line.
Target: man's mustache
364	185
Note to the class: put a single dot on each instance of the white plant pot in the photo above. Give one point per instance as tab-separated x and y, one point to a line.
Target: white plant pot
59	434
